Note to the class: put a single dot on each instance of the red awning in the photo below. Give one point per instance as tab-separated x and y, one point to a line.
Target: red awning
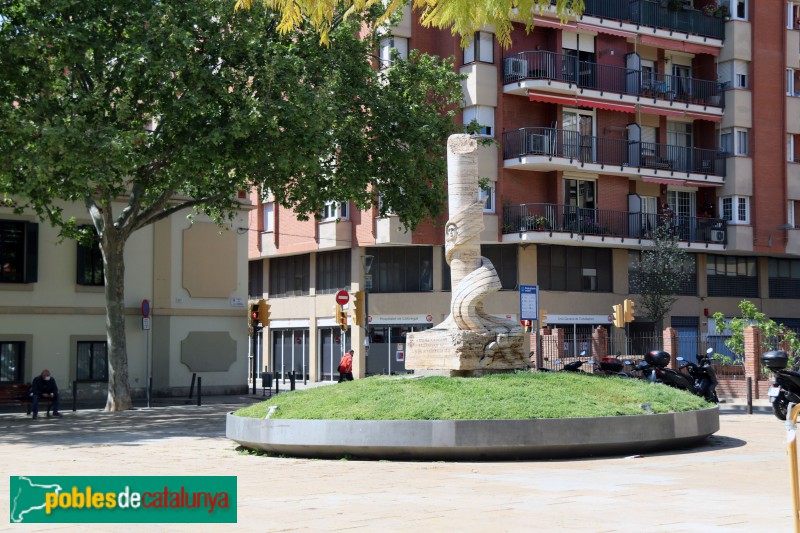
604	104
553	23
552	98
606	30
680	45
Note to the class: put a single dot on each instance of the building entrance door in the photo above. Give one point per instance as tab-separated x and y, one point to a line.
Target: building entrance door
290	353
333	343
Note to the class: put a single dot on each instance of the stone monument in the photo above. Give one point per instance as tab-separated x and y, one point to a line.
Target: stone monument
469	342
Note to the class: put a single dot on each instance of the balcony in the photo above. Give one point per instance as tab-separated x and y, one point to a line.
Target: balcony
547	149
560	73
552	219
655	14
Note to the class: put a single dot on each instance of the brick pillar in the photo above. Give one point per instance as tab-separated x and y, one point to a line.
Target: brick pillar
552	344
534	350
671	346
599	343
752	356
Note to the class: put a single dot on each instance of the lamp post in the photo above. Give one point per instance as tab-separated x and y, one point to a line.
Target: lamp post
782	227
366	261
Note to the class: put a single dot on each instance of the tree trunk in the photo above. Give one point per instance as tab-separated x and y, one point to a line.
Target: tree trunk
119	395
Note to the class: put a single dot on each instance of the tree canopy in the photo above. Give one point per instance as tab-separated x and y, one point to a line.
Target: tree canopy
462	17
165	106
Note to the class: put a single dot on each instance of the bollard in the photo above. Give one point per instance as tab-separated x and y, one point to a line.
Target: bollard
199	391
749	395
149	390
277	382
791	428
292	380
191	388
74	396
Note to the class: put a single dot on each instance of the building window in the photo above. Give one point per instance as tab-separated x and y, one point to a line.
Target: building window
504	259
90	265
398	44
487	195
793	16
687	288
790	213
268	217
483	116
402	269
333	271
289	276
19	251
92	361
334	211
571	268
734	141
790	147
255	279
12	359
739	74
735	209
729	275
784	278
480	48
738	9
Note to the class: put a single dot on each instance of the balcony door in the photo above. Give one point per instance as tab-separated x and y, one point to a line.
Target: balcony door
683	205
679	144
579	135
579	199
682	81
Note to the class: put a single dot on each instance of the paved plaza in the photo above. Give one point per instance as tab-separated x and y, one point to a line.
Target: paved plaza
737	482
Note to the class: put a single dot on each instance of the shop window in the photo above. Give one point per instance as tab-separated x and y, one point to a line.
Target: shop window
784	278
504	259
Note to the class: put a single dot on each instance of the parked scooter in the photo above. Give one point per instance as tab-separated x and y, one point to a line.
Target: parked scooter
703	375
658	360
785	389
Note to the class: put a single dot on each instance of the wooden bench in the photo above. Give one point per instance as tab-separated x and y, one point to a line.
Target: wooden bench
19	394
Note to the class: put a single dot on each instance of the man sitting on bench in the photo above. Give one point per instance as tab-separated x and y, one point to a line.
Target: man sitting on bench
44	386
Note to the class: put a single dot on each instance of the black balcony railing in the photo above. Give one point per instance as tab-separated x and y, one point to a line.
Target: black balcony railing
552	142
656	14
544	65
605	222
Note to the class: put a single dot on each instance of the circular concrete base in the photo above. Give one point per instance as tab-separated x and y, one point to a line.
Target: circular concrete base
474	439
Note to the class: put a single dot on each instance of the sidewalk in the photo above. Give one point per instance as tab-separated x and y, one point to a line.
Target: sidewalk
738	481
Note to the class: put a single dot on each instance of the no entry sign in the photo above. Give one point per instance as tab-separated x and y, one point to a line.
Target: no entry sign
342	297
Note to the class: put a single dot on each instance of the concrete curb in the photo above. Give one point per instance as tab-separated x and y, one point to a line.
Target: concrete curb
474	439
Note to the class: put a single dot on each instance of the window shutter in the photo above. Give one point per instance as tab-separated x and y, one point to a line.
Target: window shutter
31	252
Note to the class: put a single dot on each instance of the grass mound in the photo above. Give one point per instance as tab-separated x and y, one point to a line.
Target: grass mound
499	396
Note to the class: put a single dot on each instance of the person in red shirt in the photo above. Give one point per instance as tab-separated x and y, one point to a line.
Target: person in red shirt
346	367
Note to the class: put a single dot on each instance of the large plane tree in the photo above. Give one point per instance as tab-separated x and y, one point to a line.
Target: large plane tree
139	110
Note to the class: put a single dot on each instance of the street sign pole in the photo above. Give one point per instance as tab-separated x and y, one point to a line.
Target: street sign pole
529	310
148	364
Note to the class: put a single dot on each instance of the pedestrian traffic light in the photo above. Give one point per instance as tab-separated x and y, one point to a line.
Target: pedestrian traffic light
263	312
628	309
255	321
358	308
619	317
341	317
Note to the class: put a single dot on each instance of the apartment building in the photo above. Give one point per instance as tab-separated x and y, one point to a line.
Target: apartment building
606	125
52	306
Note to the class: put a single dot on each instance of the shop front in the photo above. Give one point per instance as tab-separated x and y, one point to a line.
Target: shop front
386	341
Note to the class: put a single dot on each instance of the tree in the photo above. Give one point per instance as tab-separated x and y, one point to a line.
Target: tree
462	17
751	316
660	273
174	106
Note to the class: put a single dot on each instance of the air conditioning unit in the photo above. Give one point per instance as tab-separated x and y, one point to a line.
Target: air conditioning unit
516	68
717	235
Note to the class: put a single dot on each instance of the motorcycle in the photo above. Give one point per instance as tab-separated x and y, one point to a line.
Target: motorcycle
703	375
658	360
785	389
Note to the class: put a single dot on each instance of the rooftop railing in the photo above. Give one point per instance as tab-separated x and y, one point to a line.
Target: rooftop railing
657	14
552	142
609	223
544	65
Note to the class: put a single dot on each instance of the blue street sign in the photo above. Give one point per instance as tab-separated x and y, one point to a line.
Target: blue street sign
529	302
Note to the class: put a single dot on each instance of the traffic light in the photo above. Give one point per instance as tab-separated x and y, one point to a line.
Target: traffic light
542	318
619	317
358	308
341	317
628	308
255	321
263	312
